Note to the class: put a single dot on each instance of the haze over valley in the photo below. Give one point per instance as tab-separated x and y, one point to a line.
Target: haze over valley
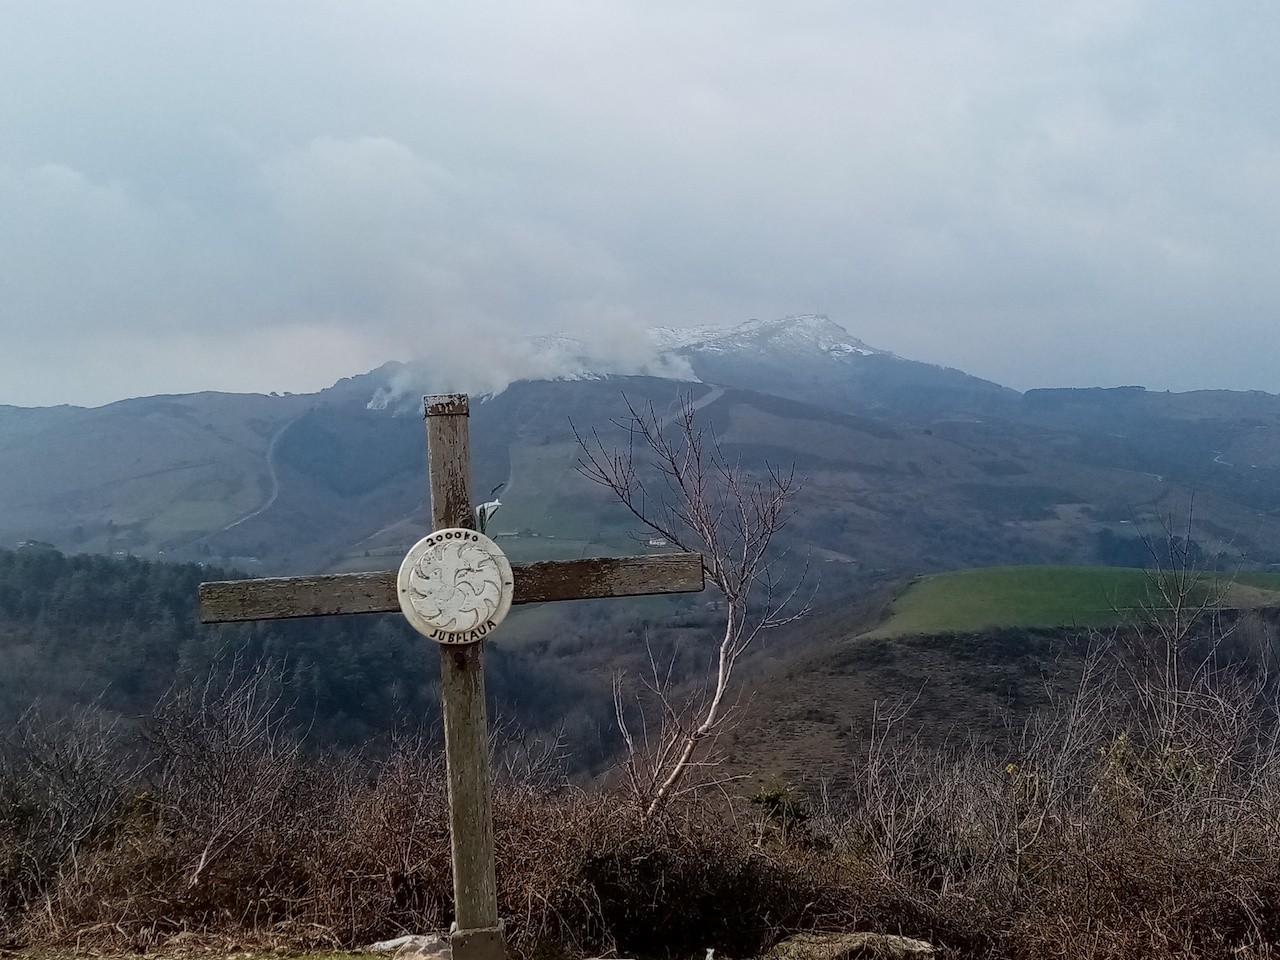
907	469
908	466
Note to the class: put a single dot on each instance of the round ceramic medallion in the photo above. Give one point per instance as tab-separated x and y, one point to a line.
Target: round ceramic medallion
455	586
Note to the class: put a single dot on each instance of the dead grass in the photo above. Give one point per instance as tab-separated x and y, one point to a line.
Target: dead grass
228	835
1138	817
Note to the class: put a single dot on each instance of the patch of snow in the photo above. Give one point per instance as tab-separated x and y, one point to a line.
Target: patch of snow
563	356
807	332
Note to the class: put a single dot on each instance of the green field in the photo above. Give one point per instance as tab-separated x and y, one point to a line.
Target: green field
549	513
970	600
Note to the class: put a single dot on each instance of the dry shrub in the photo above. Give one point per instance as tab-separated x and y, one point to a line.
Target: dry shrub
216	836
234	833
65	790
1138	819
587	874
382	865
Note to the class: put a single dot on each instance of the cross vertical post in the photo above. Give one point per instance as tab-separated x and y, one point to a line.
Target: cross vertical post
477	931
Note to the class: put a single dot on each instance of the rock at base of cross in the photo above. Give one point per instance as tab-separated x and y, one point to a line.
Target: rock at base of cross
850	946
430	946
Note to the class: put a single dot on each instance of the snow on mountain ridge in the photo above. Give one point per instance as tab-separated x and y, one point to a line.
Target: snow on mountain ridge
661	352
802	331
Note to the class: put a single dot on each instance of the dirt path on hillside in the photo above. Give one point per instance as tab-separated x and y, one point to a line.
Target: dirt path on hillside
271	473
712	395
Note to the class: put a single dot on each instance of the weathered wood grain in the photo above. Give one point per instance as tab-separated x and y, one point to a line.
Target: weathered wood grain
229	601
466	749
446	405
466	729
449	461
278	598
595	577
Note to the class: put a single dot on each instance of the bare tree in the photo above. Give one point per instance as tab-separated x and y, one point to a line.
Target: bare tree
1177	644
674	477
1180	594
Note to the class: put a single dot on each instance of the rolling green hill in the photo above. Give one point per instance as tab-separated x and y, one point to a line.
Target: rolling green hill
955	656
965	601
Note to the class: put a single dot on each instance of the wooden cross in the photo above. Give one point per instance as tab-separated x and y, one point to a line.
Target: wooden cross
477	930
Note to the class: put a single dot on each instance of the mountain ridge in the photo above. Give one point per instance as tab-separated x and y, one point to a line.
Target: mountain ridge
912	466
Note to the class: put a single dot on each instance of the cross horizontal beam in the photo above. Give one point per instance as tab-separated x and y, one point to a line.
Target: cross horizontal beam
230	601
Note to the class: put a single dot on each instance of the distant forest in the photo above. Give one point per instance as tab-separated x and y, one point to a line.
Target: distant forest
122	633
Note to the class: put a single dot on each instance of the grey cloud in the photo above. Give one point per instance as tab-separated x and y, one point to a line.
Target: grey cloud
237	196
487	365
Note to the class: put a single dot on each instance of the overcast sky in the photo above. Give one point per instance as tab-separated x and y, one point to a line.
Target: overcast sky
269	196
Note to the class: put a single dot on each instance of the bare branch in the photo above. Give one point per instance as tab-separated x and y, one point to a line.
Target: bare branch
674	476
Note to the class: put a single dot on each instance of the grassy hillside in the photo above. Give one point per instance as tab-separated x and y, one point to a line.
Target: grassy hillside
322	482
965	601
973	653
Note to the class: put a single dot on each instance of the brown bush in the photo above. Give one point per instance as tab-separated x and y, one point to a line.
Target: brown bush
1140	817
237	835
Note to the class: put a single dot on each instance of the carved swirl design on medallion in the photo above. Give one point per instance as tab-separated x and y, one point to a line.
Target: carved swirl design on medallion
455	585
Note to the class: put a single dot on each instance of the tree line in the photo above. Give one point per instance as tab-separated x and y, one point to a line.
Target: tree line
122	633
